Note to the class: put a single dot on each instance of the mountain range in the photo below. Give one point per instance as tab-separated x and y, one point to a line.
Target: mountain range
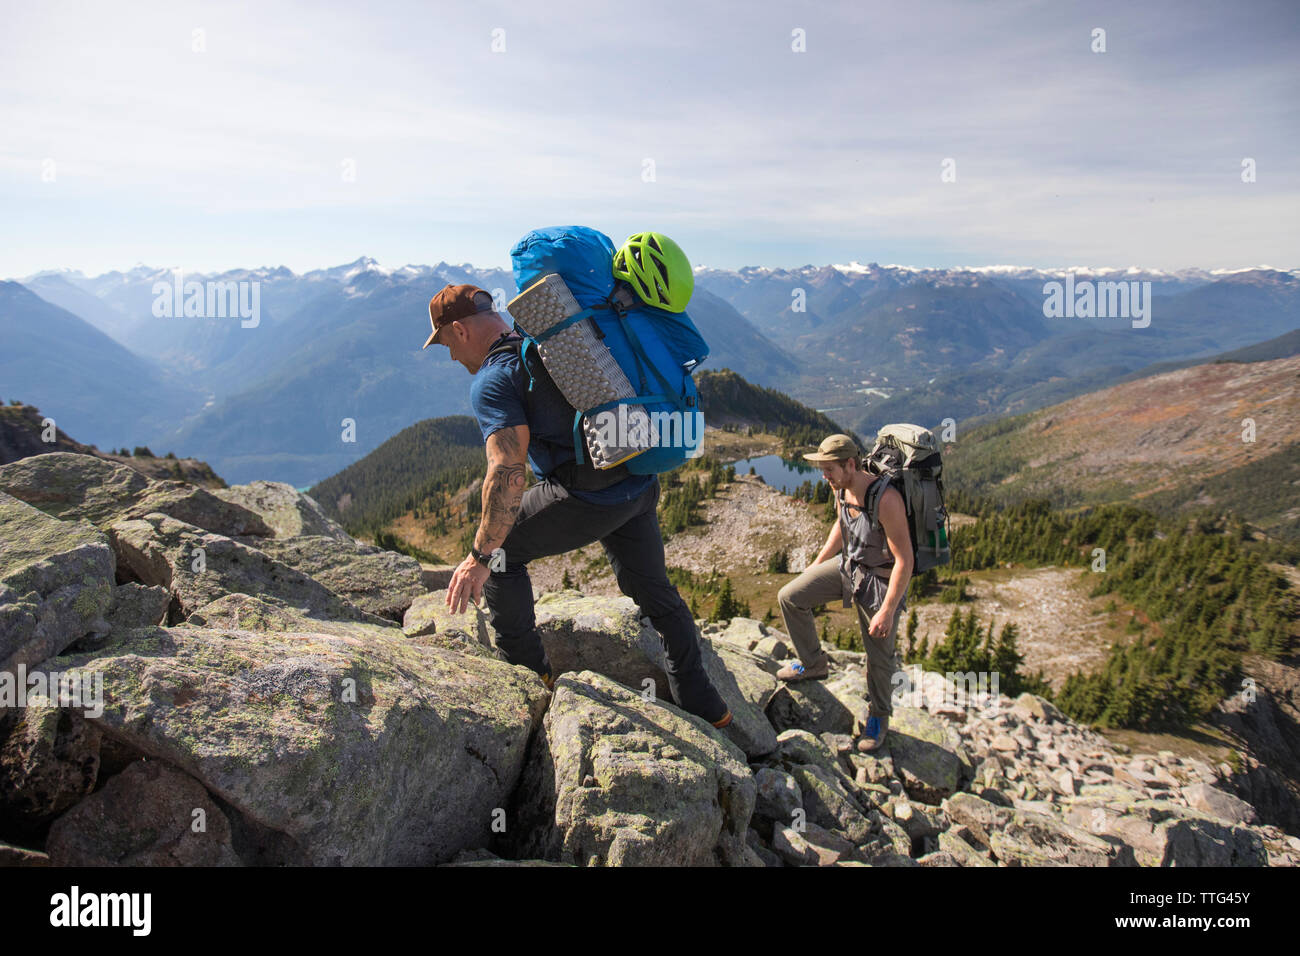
882	344
333	365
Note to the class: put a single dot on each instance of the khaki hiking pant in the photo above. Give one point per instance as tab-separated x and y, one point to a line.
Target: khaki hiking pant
821	584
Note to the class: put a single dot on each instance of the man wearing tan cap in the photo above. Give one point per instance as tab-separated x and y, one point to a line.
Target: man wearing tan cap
525	420
872	574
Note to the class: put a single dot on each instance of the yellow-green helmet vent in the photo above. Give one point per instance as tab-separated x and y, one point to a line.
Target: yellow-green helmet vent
656	269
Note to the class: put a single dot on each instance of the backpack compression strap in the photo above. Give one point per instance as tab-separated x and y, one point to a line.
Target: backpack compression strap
618	303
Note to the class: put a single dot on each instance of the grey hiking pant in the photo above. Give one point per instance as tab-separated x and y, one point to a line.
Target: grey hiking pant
820	584
551	521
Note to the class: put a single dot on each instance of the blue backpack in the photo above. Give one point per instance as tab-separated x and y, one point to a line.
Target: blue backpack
656	349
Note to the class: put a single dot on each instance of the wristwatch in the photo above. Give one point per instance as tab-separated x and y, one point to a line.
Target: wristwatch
494	560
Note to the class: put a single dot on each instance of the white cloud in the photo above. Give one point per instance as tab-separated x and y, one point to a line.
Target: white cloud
236	152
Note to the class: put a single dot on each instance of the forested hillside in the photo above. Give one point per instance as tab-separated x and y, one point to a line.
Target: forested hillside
1205	589
426	461
727	399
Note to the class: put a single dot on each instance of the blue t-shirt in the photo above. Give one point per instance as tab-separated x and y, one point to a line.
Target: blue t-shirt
497	397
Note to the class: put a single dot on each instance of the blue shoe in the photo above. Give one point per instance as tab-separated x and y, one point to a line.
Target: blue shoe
874	738
796	671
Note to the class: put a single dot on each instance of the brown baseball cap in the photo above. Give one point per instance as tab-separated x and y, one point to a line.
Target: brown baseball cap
835	448
455	302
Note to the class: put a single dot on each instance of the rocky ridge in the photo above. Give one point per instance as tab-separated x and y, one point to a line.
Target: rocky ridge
274	692
23	433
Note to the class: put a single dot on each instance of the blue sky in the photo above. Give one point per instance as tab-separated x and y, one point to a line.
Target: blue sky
235	156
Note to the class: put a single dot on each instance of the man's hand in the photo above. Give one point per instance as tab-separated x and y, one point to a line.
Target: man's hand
466	584
881	623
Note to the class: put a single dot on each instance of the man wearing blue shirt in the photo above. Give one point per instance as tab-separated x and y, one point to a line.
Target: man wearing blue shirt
523	415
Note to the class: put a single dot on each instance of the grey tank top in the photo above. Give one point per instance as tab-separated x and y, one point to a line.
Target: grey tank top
865	548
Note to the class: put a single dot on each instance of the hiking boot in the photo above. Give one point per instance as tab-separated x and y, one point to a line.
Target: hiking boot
874	738
723	721
796	671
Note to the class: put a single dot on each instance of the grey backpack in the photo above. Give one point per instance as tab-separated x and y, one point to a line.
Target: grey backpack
908	456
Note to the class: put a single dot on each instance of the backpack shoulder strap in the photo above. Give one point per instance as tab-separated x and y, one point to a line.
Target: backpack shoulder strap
504	345
518	346
874	493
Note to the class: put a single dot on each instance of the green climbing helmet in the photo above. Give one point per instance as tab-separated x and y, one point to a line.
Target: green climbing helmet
656	269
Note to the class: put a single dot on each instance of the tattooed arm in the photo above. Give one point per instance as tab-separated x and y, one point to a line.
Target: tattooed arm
503	488
507	452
